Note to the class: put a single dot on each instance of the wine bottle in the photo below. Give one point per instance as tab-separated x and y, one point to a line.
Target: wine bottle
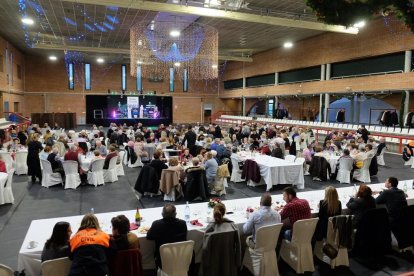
138	218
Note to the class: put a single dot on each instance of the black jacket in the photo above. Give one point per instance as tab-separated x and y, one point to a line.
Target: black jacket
166	230
196	185
147	181
158	165
320	168
190	137
394	199
55	164
322	226
358	206
89	260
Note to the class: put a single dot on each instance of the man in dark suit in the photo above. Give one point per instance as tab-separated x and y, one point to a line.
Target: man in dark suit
112	153
191	138
169	229
55	161
394	198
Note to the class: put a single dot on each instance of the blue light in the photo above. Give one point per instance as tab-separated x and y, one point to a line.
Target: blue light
70	21
102	29
112	8
36	7
113	19
89	27
108	26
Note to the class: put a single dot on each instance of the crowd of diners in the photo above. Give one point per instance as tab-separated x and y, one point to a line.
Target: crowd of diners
208	145
93	256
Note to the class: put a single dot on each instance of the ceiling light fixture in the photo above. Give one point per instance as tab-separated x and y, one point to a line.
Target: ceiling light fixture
27	21
177	64
214	66
100	60
288	44
175	33
360	24
53	58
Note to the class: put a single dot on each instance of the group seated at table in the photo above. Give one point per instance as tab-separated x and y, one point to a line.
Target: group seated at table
222	247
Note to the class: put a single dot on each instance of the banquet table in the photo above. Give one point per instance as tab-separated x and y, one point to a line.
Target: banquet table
40	230
277	171
3	180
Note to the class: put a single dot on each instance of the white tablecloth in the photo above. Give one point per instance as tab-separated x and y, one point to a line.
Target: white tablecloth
40	230
277	171
3	180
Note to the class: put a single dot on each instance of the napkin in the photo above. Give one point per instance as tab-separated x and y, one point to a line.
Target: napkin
196	222
133	226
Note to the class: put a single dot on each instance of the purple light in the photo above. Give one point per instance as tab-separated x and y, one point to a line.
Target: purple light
113	114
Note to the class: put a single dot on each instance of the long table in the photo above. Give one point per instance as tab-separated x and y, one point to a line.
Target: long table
277	171
40	230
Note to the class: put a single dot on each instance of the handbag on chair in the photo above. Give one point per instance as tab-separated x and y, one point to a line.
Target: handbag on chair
330	251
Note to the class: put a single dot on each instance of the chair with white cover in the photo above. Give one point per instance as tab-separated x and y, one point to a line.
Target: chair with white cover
55	267
111	175
236	172
72	179
6	271
170	184
362	174
380	158
261	261
8	160
95	174
409	162
137	163
120	166
344	170
176	258
332	238
297	253
49	178
290	158
21	162
8	192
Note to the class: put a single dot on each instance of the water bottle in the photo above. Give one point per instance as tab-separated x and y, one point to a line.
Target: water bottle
92	211
405	188
187	212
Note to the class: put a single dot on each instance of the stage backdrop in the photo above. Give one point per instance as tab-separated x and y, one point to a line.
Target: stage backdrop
150	110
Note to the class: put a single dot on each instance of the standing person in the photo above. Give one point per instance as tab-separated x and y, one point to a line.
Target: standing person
190	137
58	244
264	216
364	133
88	249
394	198
169	229
294	210
33	161
330	206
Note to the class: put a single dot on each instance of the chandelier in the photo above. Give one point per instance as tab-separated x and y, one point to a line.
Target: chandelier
189	49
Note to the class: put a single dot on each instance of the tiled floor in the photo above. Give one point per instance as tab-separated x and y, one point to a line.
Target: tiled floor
35	202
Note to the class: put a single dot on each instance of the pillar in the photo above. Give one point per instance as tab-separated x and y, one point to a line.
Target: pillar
321	114
406	104
326	113
323	72
357	110
276	78
244	82
243	106
407	62
352	105
328	71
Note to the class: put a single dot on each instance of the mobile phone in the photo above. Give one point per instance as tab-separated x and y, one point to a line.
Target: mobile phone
229	213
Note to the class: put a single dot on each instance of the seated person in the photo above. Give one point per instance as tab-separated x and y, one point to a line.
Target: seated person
196	164
278	152
393	198
121	238
112	153
186	156
55	161
169	229
174	165
58	244
264	216
211	166
158	164
99	147
361	202
89	248
45	153
71	154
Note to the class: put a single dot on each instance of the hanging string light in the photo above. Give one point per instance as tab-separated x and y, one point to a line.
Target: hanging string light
162	45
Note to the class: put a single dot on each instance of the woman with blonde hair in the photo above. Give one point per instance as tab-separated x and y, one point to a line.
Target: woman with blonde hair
88	249
330	206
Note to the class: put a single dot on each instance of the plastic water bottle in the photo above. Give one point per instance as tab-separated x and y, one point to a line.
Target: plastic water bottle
92	211
187	212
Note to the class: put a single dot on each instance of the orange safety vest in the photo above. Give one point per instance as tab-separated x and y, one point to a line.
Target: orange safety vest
89	236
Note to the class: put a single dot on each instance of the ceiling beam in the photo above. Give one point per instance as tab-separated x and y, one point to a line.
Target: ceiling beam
118	51
216	13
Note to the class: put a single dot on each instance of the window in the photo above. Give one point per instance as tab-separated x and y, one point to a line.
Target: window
185	80
300	75
19	72
270	108
123	77
262	80
71	74
171	79
233	84
139	78
16	107
87	76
